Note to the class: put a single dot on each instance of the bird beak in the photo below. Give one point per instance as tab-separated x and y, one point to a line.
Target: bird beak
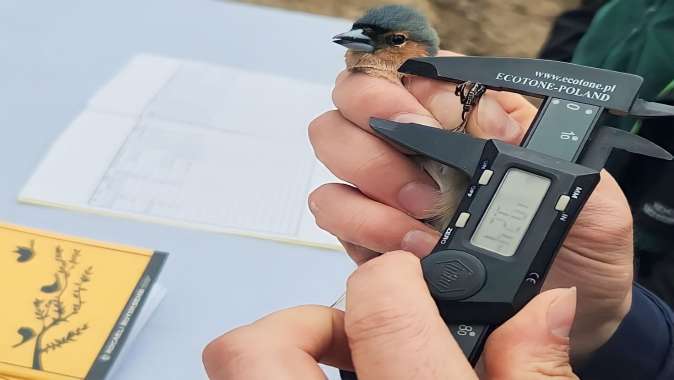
355	40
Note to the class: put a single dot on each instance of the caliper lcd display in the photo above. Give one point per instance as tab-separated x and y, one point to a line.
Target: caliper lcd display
510	212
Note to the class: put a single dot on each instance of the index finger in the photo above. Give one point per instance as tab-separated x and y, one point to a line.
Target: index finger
358	97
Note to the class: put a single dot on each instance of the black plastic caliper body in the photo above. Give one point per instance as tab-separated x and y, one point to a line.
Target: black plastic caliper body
521	201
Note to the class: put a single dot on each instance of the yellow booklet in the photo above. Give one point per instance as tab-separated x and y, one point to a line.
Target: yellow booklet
68	304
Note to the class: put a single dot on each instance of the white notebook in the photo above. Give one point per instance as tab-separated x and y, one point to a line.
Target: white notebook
196	145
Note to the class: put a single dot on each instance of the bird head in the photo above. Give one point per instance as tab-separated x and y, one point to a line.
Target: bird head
391	30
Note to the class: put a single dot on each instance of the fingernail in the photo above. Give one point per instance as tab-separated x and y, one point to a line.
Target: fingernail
495	122
418	198
562	312
418	242
416	118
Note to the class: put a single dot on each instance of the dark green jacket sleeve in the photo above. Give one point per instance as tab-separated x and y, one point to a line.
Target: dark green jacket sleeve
633	36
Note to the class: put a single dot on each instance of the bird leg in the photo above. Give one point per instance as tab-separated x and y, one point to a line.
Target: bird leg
469	94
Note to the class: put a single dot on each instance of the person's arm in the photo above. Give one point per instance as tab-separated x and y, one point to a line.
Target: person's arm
641	348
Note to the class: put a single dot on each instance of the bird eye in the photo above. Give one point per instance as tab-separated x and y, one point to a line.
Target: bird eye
397	39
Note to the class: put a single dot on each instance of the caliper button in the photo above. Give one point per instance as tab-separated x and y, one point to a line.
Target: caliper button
461	220
485	177
562	203
453	275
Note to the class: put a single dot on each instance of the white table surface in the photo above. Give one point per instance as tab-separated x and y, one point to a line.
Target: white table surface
53	57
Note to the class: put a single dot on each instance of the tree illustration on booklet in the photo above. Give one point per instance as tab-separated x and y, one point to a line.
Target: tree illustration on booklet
59	302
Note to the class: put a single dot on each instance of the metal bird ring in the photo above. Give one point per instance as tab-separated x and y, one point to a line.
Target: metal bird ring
469	94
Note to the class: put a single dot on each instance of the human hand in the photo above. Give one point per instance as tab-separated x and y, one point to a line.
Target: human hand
380	212
392	330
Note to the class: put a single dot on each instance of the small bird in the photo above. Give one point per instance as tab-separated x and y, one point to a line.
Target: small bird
378	44
26	334
25	253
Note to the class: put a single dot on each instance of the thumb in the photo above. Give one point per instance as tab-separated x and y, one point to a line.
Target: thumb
534	344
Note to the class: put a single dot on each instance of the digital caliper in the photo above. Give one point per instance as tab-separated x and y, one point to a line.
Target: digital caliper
521	201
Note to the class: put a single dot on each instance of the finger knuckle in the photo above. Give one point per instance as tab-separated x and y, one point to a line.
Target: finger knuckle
316	196
341	76
546	362
358	254
352	226
607	215
624	227
358	91
380	160
604	224
334	95
553	364
361	274
385	264
392	324
229	351
399	257
318	126
427	91
369	95
316	201
379	269
342	223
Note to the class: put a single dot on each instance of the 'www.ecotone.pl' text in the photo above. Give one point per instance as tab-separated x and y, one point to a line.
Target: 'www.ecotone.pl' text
562	84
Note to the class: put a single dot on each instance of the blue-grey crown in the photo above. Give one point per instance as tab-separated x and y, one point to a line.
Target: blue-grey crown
402	18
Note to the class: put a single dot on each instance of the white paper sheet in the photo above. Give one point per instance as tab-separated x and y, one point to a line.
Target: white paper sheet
193	144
